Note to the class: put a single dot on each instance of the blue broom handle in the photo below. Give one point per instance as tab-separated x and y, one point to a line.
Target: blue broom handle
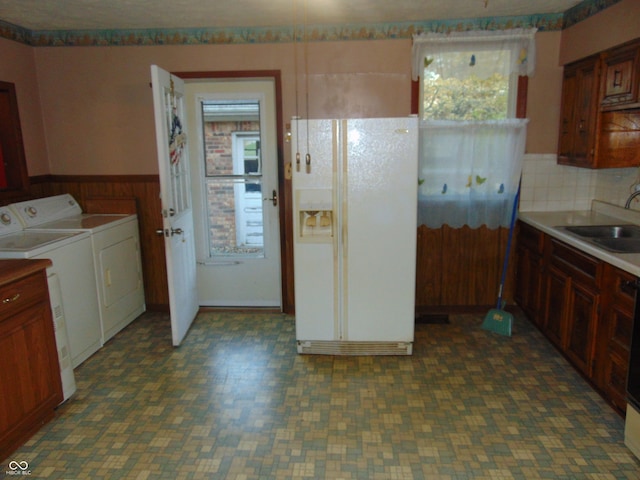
506	255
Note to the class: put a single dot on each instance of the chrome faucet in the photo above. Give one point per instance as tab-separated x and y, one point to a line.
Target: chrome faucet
631	197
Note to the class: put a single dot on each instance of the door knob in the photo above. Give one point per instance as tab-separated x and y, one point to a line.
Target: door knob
274	198
167	232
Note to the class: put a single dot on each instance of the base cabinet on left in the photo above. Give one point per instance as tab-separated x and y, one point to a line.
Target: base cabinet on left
30	384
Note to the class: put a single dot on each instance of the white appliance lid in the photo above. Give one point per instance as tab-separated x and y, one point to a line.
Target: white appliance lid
32	213
85	222
27	241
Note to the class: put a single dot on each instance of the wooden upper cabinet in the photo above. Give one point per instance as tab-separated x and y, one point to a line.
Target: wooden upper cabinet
579	115
619	139
600	110
620	79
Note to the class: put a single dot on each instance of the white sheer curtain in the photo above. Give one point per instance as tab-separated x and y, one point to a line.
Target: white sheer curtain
470	169
519	42
469	172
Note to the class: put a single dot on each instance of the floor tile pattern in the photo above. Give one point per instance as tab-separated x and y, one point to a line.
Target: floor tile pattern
235	401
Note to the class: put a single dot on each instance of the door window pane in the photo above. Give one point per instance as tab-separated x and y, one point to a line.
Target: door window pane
233	177
235	224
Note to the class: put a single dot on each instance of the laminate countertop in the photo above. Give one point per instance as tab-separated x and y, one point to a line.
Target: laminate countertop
601	213
12	270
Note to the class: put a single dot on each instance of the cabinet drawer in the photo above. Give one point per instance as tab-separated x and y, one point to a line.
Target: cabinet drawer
530	237
22	293
623	290
583	267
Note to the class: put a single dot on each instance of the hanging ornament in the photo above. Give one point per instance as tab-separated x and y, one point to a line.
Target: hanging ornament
177	139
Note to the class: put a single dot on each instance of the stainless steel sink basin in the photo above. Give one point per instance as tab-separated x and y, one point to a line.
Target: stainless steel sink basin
614	238
619	245
605	231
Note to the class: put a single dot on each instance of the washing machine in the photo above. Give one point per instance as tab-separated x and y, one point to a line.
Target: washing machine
115	244
72	287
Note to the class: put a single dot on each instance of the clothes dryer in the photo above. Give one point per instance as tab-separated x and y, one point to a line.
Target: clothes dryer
116	254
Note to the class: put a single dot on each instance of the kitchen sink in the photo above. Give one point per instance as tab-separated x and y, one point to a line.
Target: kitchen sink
605	231
614	238
619	245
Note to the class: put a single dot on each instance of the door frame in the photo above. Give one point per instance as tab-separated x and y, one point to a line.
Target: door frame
284	185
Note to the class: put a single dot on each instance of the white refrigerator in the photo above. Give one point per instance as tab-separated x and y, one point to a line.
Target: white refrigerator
355	187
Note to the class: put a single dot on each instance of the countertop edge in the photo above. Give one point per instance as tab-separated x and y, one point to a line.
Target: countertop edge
16	269
601	213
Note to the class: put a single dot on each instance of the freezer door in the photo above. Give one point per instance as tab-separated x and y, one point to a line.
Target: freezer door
315	264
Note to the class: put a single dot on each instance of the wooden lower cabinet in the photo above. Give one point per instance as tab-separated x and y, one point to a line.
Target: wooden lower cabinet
573	293
582	321
556	286
527	294
585	308
30	385
614	338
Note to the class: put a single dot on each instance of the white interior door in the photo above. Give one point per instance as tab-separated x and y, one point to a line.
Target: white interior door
177	215
234	185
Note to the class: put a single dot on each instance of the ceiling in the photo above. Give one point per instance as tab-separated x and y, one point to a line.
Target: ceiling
39	15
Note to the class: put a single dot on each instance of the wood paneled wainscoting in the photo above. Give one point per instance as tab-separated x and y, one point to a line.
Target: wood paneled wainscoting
460	268
457	268
146	190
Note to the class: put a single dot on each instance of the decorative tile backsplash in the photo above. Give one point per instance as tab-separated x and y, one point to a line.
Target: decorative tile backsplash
547	186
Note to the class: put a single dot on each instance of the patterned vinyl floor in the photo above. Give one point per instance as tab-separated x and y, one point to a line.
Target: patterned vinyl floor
235	401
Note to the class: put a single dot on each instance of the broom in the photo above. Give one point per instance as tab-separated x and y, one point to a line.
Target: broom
497	320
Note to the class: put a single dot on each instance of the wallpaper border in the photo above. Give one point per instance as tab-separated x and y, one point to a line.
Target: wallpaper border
314	33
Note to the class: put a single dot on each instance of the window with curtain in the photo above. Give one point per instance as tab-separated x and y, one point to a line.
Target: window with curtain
471	144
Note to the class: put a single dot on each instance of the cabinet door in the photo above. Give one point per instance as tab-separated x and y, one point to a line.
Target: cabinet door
619	141
617	325
581	326
578	117
585	114
529	283
529	271
30	376
565	139
620	77
557	285
614	336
